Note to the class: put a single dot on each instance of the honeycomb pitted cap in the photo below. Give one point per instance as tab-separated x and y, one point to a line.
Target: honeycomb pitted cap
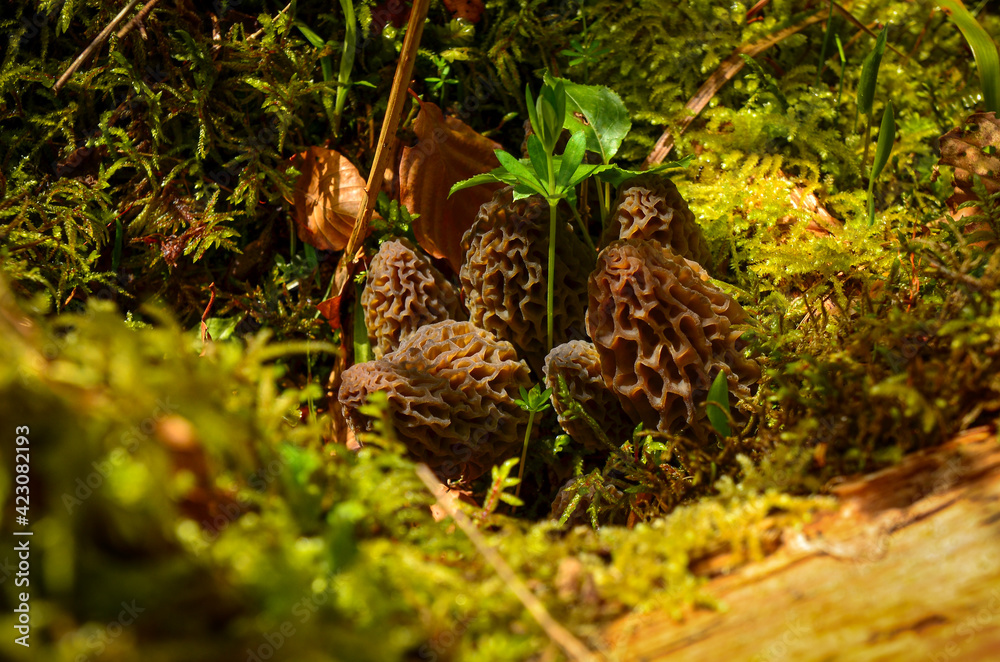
403	293
451	389
650	207
504	275
578	362
663	332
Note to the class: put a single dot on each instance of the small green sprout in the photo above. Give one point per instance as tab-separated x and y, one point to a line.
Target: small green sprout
560	105
585	54
501	481
866	86
442	79
886	137
534	401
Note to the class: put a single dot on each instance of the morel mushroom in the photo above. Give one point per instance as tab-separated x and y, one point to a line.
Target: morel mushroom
451	389
580	365
650	207
505	270
404	292
663	332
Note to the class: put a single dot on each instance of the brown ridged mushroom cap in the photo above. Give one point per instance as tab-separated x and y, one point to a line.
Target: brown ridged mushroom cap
503	277
650	207
663	332
451	389
578	362
403	293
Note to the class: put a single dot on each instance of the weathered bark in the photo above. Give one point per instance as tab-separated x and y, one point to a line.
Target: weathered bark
908	567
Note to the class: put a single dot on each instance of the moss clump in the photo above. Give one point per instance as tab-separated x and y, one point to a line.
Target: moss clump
205	488
155	468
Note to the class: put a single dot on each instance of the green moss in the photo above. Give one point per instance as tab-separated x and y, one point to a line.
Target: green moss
197	487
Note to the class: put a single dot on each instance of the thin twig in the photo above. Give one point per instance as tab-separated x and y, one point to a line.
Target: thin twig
732	66
722	75
138	18
258	33
94	45
571	646
393	113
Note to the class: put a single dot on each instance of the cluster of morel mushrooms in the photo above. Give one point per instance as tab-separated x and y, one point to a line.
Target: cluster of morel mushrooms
638	338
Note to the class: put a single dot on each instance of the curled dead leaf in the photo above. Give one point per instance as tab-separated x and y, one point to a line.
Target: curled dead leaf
328	194
973	149
447	151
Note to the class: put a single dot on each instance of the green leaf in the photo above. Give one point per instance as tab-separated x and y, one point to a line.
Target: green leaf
517	168
495	175
585	170
222	328
532	109
617	176
984	50
869	75
571	159
598	113
886	137
362	346
538	158
506	497
521	192
552	113
311	36
718	404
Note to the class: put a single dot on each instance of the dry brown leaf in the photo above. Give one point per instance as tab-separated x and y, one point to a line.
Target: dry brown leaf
470	10
328	194
447	151
965	148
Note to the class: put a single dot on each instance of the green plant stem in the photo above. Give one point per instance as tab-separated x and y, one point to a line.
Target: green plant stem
586	60
550	285
843	68
524	452
601	203
583	229
825	47
868	139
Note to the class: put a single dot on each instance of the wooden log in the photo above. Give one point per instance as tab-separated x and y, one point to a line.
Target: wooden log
908	567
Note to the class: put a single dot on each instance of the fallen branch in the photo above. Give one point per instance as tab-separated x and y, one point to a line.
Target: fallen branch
390	123
722	75
138	18
94	45
573	648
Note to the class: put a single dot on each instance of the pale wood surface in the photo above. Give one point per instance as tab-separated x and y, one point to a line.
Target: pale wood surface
907	568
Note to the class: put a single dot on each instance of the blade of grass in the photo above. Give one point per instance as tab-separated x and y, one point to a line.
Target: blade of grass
843	69
362	346
869	75
346	61
886	137
825	47
866	88
984	50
